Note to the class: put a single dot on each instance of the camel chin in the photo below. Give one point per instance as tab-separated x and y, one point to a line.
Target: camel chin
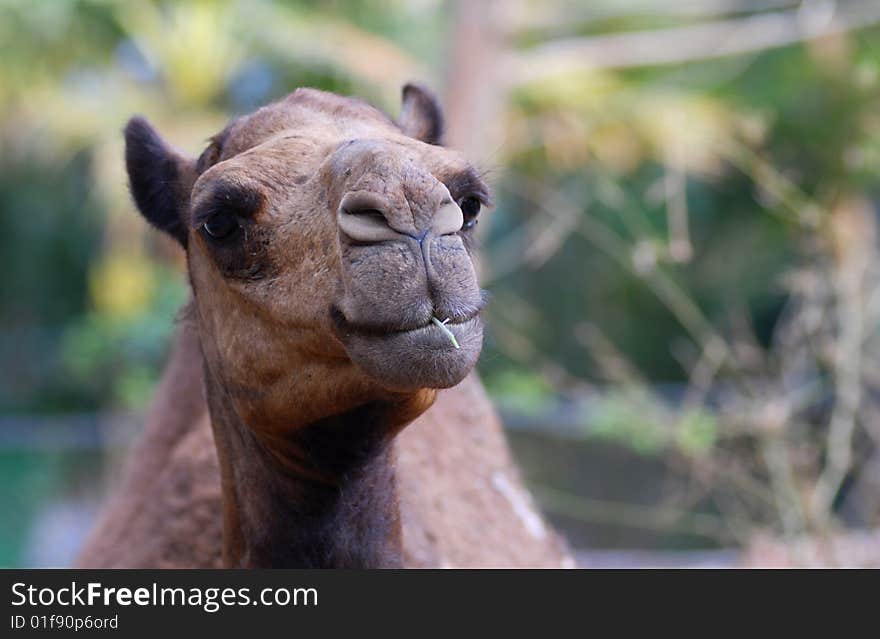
423	357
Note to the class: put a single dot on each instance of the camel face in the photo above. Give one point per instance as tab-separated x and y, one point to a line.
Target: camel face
324	241
405	262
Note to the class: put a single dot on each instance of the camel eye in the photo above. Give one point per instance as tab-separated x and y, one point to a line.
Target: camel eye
470	209
221	225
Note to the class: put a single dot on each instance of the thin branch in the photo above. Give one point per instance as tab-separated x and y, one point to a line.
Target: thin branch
664	287
847	375
688	43
530	17
783	483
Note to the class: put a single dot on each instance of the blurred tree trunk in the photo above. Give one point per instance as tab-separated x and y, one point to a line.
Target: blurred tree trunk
472	94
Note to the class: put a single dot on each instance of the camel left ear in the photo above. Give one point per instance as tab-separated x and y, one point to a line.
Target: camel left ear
160	178
420	114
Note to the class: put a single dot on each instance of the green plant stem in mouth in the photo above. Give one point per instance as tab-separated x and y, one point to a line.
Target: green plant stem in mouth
446	331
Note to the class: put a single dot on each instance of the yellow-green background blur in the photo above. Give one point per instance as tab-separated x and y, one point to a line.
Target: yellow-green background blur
683	333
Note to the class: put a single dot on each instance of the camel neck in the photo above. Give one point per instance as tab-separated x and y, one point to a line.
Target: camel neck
321	497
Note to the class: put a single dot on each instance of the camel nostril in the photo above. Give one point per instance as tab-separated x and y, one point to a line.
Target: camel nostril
370	213
362	218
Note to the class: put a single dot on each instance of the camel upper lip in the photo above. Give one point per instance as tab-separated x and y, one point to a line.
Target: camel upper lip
346	326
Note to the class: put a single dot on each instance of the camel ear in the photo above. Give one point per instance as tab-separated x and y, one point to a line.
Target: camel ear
420	114
160	178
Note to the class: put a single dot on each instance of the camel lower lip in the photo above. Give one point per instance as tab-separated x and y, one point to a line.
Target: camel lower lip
434	330
346	328
429	335
423	357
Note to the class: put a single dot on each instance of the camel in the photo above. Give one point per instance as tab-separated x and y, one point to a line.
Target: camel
314	412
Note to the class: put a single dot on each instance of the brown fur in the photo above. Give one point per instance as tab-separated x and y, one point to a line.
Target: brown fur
321	241
166	511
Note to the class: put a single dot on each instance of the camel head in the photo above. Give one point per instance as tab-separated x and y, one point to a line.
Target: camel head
325	242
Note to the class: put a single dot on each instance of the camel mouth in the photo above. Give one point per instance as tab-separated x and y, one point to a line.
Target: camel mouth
345	327
424	356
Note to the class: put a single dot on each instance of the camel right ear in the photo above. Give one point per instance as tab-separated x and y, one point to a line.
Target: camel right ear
160	178
420	114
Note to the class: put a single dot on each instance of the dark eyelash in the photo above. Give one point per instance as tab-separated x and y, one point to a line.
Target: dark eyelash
237	200
468	183
484	197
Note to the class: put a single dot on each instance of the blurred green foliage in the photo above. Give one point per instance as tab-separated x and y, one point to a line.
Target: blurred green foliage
649	219
653	229
30	480
89	295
